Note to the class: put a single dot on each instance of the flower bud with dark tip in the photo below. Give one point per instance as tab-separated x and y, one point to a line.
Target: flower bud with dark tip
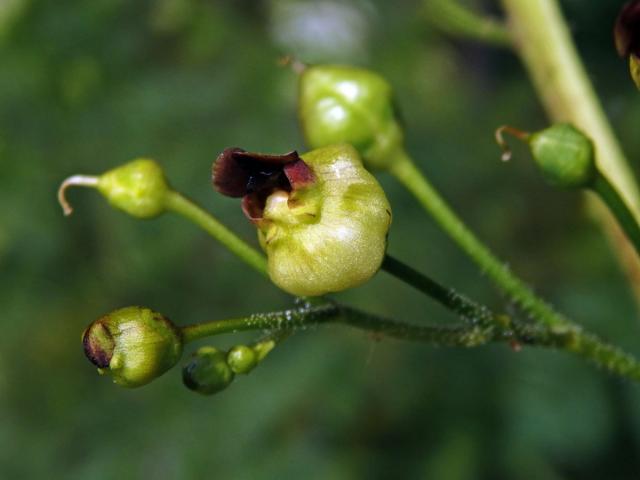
133	344
242	359
207	371
626	35
344	104
138	187
565	156
322	218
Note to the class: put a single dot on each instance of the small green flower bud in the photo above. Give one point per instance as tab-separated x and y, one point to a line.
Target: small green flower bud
343	104
565	156
207	371
322	218
133	344
138	187
242	359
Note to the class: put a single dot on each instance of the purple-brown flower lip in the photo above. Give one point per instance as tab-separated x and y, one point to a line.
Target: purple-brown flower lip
627	30
254	176
98	344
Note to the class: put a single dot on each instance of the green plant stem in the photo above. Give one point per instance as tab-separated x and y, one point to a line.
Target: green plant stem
408	174
454	19
299	318
465	308
572	340
185	207
544	43
610	196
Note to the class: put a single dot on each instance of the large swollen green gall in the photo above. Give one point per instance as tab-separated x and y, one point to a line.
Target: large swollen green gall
322	218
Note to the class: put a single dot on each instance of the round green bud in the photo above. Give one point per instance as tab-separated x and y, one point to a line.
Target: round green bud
133	344
330	235
138	187
343	104
565	156
207	371
242	359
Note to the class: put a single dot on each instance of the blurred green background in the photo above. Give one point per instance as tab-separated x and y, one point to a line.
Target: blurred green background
85	86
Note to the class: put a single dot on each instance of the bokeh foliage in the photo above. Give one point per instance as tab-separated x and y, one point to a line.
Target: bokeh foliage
85	86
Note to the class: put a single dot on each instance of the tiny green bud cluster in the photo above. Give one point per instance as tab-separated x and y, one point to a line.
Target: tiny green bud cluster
133	344
344	104
207	371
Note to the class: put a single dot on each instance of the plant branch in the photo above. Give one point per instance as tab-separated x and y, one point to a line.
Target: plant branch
456	20
465	308
185	207
612	198
408	174
544	44
573	340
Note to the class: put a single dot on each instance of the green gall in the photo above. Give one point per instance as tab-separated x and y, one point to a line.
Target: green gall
242	359
343	104
565	156
331	235
322	218
207	371
138	188
133	344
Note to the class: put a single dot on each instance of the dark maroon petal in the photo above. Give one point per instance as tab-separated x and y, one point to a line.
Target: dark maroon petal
228	176
98	344
262	158
299	174
253	207
626	31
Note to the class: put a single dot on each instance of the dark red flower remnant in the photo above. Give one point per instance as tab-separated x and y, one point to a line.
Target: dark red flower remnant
626	31
254	176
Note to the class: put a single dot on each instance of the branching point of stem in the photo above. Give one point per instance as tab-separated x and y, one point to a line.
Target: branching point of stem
74	181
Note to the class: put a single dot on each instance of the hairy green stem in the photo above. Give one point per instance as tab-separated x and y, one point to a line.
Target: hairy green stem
454	19
185	207
408	174
302	317
465	308
612	198
573	340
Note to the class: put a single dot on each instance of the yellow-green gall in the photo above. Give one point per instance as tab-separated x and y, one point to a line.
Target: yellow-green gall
138	188
344	104
322	218
565	156
207	371
133	344
331	235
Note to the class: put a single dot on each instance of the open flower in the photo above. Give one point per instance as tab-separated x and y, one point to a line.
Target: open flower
321	217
